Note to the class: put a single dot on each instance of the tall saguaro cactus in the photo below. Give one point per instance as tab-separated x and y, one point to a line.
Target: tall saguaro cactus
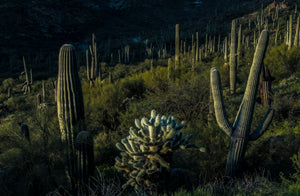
297	33
92	71
239	47
232	60
70	107
177	46
27	83
240	131
290	32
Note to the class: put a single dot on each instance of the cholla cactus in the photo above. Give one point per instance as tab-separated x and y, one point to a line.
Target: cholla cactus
148	149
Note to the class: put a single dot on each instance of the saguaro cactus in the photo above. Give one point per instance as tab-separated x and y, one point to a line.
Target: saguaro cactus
92	71
265	83
169	68
177	46
297	33
27	83
232	60
239	47
85	154
240	131
276	34
290	32
225	53
70	107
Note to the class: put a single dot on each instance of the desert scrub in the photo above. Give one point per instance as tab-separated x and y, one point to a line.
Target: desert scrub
146	153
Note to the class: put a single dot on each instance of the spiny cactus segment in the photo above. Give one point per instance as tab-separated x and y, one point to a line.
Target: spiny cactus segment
85	153
149	147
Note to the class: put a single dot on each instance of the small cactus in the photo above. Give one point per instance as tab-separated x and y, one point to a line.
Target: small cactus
25	131
148	149
39	100
265	83
9	92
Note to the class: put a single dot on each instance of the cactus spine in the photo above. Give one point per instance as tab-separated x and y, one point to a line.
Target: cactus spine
70	109
240	130
232	63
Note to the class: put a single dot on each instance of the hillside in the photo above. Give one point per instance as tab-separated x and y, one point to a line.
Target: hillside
145	106
38	28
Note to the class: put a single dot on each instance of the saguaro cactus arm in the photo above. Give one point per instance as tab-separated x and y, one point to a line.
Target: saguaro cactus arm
245	114
219	103
259	131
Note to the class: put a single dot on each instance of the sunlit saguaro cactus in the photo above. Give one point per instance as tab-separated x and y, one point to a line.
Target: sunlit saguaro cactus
70	107
290	32
240	131
225	53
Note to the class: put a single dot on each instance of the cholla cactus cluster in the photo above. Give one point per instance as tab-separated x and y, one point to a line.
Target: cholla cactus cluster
148	148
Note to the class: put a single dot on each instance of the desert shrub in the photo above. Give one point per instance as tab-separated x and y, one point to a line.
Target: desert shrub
17	103
7	83
3	97
156	79
120	70
105	150
133	87
282	62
